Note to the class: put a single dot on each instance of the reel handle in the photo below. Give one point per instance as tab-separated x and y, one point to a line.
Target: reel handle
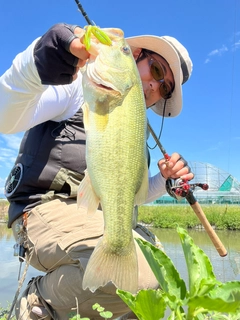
209	229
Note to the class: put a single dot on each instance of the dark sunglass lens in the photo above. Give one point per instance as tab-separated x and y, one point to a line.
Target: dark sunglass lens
156	71
165	91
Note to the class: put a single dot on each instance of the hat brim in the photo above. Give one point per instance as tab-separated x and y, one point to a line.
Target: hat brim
167	51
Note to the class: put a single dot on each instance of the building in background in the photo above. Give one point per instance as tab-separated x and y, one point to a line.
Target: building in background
223	187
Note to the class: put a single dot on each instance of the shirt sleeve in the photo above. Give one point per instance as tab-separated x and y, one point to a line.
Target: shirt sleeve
156	187
25	102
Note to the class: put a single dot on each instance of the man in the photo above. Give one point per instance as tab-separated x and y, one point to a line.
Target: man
42	93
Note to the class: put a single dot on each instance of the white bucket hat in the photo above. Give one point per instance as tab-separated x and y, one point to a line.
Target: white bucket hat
179	61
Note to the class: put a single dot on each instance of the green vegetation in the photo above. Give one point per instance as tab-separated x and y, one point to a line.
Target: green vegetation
205	297
222	217
72	316
4	314
104	314
4	203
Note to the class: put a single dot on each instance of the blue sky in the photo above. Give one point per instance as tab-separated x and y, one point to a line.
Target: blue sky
207	130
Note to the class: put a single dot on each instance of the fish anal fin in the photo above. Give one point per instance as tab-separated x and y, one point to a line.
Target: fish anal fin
86	196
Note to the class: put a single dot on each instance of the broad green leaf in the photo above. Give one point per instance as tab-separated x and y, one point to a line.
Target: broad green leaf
229	291
209	298
198	263
206	285
209	304
147	304
164	270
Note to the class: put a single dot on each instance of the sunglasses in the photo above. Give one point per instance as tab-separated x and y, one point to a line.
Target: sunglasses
157	73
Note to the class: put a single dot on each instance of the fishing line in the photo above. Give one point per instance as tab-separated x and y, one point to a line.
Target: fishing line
231	95
161	128
140	58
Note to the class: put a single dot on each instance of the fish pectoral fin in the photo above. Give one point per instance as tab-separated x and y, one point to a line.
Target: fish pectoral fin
142	193
86	196
85	109
105	266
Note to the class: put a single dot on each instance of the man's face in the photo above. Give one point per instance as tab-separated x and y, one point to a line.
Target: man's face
150	85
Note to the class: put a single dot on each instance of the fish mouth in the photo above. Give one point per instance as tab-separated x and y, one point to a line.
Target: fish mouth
102	86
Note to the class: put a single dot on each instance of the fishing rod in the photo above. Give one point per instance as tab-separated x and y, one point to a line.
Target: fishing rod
83	12
178	188
160	146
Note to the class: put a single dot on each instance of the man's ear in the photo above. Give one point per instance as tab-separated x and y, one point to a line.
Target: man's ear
136	52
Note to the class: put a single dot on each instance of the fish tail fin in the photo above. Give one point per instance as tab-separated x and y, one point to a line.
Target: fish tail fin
86	197
105	266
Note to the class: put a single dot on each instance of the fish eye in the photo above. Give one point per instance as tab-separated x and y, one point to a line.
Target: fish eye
125	50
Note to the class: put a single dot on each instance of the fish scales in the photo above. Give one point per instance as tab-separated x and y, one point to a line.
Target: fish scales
117	173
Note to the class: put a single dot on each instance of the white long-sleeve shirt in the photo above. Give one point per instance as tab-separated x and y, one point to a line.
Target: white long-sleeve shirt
25	103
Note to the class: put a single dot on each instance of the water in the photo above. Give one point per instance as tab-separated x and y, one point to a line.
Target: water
10	268
225	268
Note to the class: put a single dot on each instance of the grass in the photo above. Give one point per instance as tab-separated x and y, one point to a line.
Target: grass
4	204
222	217
4	313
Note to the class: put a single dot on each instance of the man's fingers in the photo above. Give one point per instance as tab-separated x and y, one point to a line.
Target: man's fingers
78	50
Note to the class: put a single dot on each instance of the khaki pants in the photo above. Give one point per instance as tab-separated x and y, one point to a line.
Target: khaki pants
60	240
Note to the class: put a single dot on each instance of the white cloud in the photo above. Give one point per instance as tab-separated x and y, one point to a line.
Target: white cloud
236	45
7	157
218	52
2	184
12	141
234	39
9	145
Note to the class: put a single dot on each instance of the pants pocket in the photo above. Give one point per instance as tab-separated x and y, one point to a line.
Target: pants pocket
58	232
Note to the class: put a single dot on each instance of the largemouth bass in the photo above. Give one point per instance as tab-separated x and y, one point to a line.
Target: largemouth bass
117	173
